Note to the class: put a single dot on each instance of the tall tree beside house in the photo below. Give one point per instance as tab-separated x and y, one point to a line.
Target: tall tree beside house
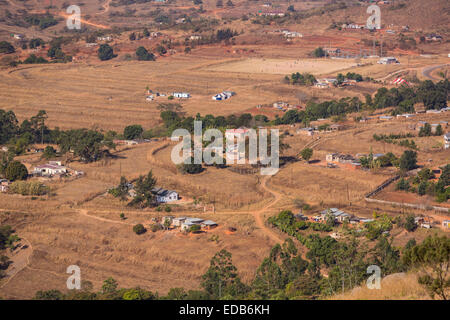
16	171
133	132
38	124
408	160
121	191
319	53
425	131
49	152
144	195
89	145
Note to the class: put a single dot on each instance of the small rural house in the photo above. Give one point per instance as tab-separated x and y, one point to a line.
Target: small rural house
181	95
339	215
163	195
447	140
446	224
208	224
388	60
178	221
340	158
50	169
4	185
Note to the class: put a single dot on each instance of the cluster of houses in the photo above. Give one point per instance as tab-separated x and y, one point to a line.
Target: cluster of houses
343	159
186	223
339	215
348	160
330	82
179	95
309	131
223	95
290	34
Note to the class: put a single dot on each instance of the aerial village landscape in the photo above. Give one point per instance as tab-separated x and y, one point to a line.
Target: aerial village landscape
88	120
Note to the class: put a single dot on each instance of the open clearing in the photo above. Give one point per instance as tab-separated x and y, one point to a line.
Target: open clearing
281	66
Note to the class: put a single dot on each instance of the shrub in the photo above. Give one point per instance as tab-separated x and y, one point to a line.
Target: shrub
139	229
6	47
143	54
105	52
24	188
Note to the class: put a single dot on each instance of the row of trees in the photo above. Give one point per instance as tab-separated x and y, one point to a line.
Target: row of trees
89	145
284	274
422	185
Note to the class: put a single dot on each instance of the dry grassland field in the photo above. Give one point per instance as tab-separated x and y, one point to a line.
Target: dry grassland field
79	222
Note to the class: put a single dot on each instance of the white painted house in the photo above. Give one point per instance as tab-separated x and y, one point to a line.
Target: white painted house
447	140
181	95
388	60
164	196
50	169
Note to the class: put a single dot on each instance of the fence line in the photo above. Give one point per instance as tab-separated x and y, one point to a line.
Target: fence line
386	183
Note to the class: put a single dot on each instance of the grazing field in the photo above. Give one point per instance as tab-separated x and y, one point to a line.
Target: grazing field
279	66
154	261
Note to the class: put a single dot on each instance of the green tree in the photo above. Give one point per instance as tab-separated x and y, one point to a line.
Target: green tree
306	154
408	160
6	47
410	223
221	278
16	171
49	152
105	52
319	53
139	228
143	54
144	194
133	131
109	286
431	258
